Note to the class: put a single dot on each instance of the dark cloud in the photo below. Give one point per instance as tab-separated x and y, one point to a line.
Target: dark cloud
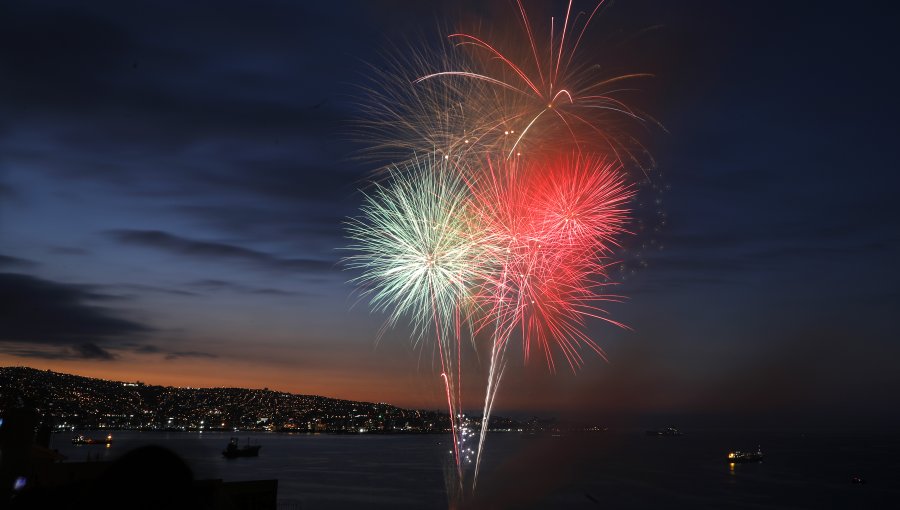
106	62
273	292
649	283
189	354
152	96
208	250
69	250
7	192
92	351
705	264
87	350
287	179
42	312
64	45
811	251
170	354
721	181
7	261
703	241
319	230
142	288
721	255
222	285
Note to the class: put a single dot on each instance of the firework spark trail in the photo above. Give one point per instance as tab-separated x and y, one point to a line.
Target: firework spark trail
416	259
405	117
479	94
527	87
495	373
548	229
511	223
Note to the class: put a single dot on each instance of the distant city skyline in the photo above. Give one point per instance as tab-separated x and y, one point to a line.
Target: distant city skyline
174	182
71	402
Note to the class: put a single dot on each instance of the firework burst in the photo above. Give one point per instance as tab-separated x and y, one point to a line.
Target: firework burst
541	97
417	258
487	92
413	247
549	228
510	224
403	119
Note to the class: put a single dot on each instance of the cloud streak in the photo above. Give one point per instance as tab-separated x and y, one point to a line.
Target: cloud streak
210	250
84	351
222	285
47	312
7	261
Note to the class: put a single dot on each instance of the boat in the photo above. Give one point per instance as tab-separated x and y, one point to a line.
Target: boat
668	431
80	439
739	456
234	450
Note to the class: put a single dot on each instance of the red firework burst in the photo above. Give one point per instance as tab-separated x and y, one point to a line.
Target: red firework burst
549	228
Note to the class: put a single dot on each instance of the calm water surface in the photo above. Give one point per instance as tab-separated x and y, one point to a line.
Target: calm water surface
614	469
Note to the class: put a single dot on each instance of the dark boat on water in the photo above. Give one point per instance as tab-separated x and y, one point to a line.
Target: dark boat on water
739	456
234	450
668	431
79	439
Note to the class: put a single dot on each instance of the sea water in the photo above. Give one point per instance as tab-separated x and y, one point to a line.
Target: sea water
611	469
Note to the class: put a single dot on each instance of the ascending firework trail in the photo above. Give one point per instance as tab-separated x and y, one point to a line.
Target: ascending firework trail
506	202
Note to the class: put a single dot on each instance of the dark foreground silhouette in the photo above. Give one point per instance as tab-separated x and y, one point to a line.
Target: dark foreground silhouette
150	477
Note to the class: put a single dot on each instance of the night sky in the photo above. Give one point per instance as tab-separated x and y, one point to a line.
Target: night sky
174	179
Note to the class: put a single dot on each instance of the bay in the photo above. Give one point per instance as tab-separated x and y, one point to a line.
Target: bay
612	469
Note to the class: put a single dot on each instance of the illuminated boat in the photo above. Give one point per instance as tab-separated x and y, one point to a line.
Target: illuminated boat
739	456
79	439
668	431
234	450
